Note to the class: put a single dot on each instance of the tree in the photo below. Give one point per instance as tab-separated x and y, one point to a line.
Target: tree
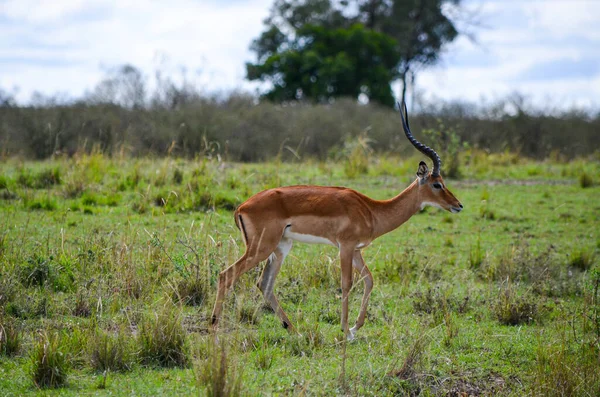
321	63
124	86
420	27
313	28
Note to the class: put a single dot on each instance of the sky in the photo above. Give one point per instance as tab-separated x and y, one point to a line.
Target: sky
548	51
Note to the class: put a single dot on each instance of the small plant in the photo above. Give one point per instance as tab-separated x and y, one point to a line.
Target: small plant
3	182
512	309
356	153
82	306
177	176
162	339
487	213
476	255
585	180
45	204
111	352
247	311
36	271
566	368
218	373
49	364
47	178
592	314
265	355
413	359
305	344
582	259
452	145
10	338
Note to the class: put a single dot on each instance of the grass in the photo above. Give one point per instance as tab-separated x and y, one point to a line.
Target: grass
118	274
49	361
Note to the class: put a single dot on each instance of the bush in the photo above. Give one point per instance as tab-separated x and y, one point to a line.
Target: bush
111	352
585	180
49	364
511	308
10	338
218	373
162	339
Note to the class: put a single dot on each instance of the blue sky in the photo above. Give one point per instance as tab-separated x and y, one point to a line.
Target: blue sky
548	50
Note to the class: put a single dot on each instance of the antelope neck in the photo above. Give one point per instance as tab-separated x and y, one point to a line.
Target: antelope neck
394	212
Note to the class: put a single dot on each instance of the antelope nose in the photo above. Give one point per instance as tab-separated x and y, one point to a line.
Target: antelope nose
460	205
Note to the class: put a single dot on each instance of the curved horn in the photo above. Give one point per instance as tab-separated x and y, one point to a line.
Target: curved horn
426	150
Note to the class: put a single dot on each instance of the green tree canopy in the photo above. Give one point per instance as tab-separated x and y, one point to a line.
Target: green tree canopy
321	49
321	63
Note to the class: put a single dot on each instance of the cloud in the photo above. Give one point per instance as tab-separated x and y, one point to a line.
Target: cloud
66	46
557	70
544	49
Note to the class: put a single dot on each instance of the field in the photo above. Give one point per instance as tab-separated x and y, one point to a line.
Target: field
108	270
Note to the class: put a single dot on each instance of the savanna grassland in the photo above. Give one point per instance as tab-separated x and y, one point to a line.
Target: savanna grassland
108	270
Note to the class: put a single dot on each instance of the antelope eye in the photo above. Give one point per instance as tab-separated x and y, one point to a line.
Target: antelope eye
437	185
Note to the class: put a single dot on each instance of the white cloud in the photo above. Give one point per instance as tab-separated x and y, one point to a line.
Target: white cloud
210	37
522	36
67	45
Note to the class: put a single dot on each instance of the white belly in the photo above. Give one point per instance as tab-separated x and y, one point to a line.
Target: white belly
307	238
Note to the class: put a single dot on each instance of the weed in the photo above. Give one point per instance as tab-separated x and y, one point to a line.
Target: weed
476	255
247	311
511	308
438	301
564	371
47	178
74	346
36	271
265	355
177	176
585	180
8	287
487	213
451	146
582	258
191	291
162	339
592	300
41	180
10	338
413	359
44	204
111	351
49	364
356	152
305	343
218	373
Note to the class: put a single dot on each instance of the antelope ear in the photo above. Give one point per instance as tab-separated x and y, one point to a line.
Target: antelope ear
423	171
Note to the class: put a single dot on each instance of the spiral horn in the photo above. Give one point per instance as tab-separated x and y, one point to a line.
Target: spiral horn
426	150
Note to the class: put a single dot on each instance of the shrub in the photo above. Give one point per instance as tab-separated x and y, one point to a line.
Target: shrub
111	352
162	339
10	338
218	373
582	258
585	180
49	364
566	370
47	178
511	308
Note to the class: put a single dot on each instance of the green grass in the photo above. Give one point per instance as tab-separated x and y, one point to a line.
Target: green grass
116	270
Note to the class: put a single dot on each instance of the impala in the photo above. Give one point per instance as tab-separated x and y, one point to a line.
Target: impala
344	218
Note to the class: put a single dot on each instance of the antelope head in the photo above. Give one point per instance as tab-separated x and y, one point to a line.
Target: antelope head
432	189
